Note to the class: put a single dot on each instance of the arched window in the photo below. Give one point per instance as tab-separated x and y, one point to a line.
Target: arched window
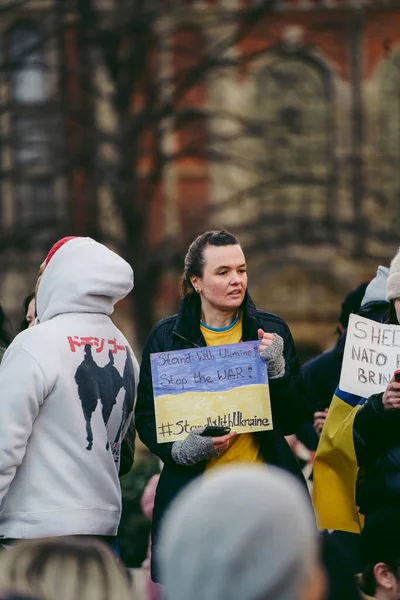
28	78
294	103
390	138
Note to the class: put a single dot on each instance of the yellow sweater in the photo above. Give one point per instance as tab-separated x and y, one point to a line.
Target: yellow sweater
244	448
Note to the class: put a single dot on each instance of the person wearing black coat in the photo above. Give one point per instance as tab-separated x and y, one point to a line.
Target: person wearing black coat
216	299
376	430
321	374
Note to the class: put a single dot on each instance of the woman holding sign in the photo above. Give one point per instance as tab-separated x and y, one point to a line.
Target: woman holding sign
217	310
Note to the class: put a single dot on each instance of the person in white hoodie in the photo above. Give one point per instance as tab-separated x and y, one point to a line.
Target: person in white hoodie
68	388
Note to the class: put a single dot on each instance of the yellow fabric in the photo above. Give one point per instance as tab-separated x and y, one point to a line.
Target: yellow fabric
228	336
335	470
244	448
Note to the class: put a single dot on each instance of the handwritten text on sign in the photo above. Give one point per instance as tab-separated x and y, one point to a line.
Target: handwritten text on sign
218	385
371	355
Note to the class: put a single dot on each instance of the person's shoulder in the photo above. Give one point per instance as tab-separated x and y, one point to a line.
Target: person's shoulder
27	341
162	328
268	318
325	358
165	324
22	338
41	333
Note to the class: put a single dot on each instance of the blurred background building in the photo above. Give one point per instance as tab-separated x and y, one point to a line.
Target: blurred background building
142	123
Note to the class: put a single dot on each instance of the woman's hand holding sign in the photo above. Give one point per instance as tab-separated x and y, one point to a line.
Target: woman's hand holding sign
271	350
198	448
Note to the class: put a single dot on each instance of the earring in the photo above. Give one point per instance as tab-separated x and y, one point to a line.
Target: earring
197	290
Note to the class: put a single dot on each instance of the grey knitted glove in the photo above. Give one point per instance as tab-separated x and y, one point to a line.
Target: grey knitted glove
273	356
193	449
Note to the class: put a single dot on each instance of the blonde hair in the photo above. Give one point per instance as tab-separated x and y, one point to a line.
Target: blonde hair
64	569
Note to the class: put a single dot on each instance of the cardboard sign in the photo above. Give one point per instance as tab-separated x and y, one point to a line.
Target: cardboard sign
216	385
371	356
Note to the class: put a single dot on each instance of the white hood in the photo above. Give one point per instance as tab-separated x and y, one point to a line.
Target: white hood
83	276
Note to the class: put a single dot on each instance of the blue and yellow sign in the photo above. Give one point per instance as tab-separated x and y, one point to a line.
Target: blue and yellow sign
217	385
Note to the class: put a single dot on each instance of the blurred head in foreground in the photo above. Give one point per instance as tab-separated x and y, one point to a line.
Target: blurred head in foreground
63	568
243	533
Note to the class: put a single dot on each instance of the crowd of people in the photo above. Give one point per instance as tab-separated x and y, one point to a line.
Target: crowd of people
232	514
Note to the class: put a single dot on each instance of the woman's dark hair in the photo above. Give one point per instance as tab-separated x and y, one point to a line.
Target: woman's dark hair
5	335
194	259
351	304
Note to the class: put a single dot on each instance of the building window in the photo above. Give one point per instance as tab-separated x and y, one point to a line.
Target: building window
388	208
295	102
28	84
32	122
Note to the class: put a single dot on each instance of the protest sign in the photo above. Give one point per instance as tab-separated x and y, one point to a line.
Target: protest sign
217	385
371	355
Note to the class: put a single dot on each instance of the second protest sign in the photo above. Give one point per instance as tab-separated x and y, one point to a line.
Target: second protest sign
371	355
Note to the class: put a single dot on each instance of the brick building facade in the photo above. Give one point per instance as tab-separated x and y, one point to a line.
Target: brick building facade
308	105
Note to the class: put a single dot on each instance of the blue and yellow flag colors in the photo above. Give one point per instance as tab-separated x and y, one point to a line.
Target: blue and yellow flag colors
215	385
335	467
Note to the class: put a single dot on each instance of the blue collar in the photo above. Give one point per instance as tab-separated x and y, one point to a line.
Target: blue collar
222	329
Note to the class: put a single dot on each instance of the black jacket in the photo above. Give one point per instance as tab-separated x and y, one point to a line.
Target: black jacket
376	434
321	376
288	402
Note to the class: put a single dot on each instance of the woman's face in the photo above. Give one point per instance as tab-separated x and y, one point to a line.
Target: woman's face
397	308
30	313
224	279
41	271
